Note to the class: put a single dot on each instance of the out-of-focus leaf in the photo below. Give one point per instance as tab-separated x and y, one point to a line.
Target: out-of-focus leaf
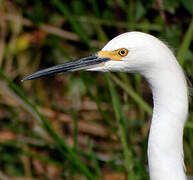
172	35
140	10
188	4
22	43
171	5
185	44
36	14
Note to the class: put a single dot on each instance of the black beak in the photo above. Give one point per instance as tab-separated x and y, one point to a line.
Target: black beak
79	64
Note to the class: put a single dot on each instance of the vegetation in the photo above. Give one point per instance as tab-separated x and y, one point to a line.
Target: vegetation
81	125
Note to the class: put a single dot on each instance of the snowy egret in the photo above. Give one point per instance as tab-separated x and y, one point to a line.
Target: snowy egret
136	52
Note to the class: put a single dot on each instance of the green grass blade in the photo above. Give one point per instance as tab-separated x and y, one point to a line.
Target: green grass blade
96	99
76	26
95	161
185	44
132	94
121	124
60	143
75	130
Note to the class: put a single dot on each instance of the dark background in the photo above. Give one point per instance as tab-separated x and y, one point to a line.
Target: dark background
66	127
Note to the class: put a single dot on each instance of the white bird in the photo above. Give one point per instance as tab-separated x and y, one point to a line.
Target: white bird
136	52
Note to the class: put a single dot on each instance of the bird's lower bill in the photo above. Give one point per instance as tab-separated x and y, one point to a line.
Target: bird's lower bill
89	62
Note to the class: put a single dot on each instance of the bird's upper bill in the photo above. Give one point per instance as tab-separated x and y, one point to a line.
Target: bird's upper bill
91	62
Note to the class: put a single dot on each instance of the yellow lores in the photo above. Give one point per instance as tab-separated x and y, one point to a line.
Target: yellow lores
114	55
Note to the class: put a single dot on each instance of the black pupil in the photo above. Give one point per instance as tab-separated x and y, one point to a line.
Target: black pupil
122	52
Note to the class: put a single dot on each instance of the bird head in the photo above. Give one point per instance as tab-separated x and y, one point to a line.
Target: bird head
128	52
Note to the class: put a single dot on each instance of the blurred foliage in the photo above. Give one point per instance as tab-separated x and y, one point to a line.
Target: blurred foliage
81	125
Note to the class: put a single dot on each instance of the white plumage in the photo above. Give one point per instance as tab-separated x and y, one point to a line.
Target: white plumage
151	58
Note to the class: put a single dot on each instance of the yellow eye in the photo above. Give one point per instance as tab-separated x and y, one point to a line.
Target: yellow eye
123	52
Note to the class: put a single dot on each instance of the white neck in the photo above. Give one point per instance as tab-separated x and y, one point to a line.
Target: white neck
165	145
